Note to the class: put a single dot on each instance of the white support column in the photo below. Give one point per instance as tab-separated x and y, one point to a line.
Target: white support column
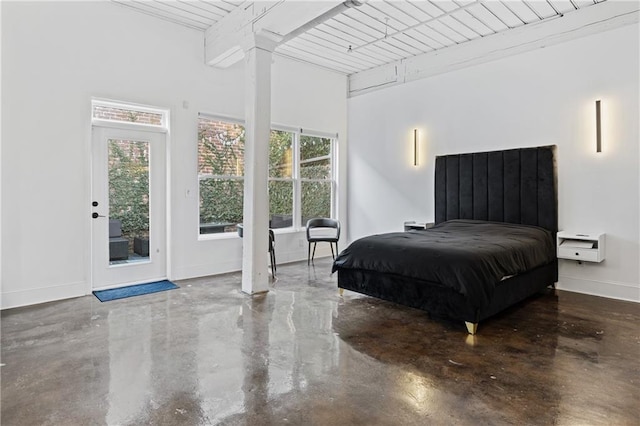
258	54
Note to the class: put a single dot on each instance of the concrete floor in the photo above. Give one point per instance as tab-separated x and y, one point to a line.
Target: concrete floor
207	354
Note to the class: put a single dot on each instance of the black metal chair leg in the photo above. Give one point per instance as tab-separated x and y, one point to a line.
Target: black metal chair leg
314	252
309	253
273	262
332	255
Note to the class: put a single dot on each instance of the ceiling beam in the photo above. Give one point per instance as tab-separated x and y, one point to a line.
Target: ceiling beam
603	16
282	20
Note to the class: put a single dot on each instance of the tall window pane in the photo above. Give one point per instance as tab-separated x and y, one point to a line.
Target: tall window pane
221	175
281	179
128	199
316	177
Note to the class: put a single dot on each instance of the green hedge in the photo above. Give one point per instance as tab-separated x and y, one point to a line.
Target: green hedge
129	186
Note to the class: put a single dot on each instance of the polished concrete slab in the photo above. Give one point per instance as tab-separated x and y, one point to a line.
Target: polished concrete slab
207	354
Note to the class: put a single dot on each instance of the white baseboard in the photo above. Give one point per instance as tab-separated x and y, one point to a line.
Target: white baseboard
613	290
33	296
206	269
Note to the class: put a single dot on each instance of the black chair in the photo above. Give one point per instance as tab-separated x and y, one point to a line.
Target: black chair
272	247
118	246
330	234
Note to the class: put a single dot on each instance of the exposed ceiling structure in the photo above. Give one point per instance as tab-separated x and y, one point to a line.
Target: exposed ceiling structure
354	36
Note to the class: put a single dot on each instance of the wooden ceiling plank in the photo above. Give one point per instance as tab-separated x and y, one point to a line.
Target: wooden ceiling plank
400	45
402	13
346	32
409	10
410	39
419	34
459	26
447	32
586	3
349	21
504	14
445	5
427	7
518	9
328	61
357	40
311	41
223	6
398	33
155	14
475	23
365	28
203	9
341	44
487	13
381	12
366	19
395	28
439	35
176	9
540	8
151	9
395	10
455	26
381	51
564	6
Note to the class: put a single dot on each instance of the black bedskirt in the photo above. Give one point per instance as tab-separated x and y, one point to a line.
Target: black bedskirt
444	302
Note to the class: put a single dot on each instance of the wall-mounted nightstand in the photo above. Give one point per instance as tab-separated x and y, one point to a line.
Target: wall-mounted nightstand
581	247
417	225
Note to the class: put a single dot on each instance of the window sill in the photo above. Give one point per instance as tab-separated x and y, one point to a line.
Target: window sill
233	235
219	236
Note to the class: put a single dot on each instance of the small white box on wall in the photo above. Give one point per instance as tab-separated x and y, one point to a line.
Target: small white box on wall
581	246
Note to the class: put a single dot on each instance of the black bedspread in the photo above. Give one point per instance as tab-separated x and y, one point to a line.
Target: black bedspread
468	256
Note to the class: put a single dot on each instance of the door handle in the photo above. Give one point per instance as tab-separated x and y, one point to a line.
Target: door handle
96	215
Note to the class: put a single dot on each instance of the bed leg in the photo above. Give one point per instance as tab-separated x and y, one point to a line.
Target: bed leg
472	327
341	291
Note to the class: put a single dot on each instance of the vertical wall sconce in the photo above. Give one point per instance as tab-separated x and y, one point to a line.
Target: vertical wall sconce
598	128
415	147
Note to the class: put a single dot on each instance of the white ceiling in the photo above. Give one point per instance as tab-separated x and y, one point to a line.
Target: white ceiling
377	32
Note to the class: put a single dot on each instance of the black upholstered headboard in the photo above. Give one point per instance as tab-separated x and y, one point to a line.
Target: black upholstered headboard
515	186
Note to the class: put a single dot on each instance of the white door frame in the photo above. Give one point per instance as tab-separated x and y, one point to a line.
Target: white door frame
102	274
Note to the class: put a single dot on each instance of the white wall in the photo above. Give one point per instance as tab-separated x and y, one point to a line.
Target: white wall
55	57
537	98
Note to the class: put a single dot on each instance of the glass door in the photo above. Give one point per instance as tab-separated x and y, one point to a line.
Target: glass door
128	207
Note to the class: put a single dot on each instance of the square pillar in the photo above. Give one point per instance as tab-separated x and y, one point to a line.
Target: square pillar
258	56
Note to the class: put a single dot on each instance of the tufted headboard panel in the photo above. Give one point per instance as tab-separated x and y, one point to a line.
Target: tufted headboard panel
515	186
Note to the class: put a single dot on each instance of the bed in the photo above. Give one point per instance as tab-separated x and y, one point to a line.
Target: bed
492	245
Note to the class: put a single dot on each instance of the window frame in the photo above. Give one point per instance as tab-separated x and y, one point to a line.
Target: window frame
296	177
105	122
229	120
333	140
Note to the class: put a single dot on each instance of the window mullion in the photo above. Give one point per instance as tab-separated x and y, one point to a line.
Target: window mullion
297	196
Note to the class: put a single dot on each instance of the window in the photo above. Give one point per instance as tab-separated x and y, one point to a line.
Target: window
301	182
220	174
113	111
281	182
316	177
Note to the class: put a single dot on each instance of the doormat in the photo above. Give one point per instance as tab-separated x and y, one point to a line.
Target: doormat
134	290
